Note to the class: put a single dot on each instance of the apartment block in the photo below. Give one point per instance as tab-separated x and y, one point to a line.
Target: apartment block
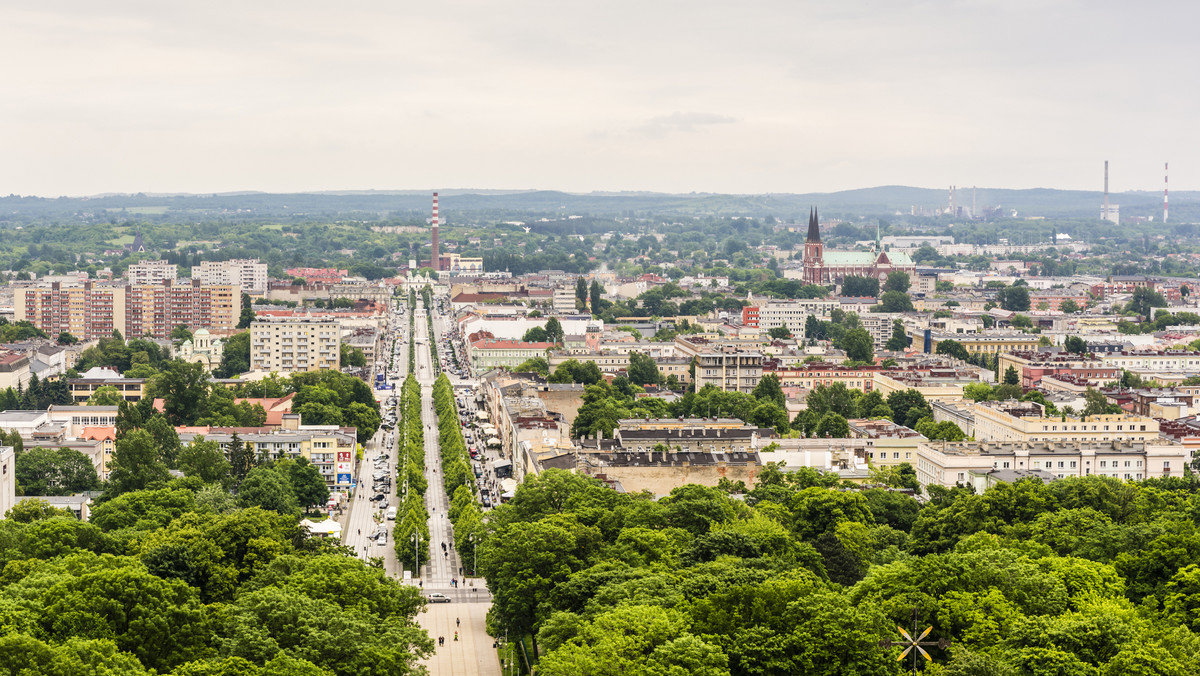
152	272
87	311
91	311
792	313
294	344
248	274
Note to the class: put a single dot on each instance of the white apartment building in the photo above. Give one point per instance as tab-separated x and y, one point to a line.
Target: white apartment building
247	273
794	313
978	463
151	272
293	344
564	300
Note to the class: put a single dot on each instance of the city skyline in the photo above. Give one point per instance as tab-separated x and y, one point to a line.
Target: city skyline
667	97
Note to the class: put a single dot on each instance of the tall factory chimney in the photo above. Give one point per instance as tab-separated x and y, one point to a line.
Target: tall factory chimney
435	258
1105	185
1165	174
1109	212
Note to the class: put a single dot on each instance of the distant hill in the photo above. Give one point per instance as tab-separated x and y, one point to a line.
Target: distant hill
465	204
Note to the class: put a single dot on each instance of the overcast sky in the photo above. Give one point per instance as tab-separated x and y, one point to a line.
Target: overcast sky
679	96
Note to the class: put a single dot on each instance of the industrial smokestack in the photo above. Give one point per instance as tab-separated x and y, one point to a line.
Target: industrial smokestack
1109	212
1165	174
435	259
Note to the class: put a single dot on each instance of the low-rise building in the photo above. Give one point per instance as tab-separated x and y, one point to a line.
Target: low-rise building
808	376
1024	421
1033	365
985	343
490	353
330	448
83	387
888	444
970	462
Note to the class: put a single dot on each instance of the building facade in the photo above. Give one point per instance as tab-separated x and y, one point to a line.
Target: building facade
295	344
156	309
248	274
1009	421
152	272
88	311
973	462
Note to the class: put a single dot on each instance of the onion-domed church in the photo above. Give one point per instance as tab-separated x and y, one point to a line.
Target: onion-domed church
829	267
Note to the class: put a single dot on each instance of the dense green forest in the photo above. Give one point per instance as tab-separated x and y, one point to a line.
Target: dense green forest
1085	577
179	579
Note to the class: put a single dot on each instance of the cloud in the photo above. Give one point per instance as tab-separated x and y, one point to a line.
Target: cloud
658	127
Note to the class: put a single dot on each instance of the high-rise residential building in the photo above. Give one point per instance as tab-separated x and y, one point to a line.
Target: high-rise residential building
293	344
92	311
152	272
156	309
87	311
247	273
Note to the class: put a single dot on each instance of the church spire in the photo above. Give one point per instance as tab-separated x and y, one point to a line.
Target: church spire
814	229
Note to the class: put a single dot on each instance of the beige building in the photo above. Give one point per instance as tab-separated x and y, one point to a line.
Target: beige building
1008	421
247	274
87	311
988	343
726	367
152	272
887	444
294	344
976	463
331	449
156	309
933	387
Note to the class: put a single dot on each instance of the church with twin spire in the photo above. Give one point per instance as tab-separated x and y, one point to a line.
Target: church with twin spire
830	267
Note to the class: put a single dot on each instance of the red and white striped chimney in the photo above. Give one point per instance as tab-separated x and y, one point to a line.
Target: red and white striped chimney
435	258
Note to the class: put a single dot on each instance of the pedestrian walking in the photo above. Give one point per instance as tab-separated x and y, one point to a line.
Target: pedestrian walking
456	636
457	622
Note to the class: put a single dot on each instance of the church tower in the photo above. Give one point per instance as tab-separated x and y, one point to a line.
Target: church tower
814	252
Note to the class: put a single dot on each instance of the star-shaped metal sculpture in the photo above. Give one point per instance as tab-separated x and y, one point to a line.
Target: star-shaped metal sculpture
911	644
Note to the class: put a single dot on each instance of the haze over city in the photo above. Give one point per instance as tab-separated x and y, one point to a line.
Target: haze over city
667	96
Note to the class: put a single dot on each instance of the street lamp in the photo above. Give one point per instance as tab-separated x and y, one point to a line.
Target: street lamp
417	552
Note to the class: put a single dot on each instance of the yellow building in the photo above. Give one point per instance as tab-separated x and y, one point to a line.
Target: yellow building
888	444
932	388
988	343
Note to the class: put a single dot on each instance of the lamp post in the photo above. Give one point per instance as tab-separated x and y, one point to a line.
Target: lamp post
417	552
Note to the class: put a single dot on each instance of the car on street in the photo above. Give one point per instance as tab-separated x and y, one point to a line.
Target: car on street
437	598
